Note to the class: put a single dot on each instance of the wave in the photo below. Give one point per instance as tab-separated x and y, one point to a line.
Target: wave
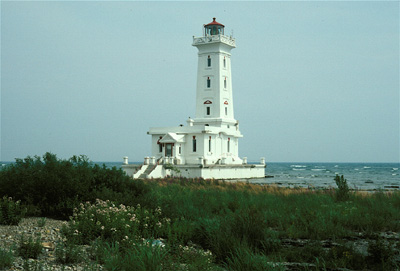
298	169
367	167
317	169
296	166
395	168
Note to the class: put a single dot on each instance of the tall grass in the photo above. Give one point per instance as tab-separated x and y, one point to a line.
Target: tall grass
204	224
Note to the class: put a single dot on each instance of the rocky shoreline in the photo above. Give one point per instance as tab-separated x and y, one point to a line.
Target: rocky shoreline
49	232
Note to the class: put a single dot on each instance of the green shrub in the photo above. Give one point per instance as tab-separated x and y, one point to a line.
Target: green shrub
11	211
244	260
381	254
6	258
68	253
139	257
41	222
114	223
54	186
342	192
29	248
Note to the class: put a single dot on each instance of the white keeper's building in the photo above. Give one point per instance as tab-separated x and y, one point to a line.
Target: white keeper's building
208	146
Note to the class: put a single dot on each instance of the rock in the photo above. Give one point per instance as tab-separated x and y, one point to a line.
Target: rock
48	245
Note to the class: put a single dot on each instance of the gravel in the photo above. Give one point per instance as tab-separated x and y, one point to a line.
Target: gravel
49	234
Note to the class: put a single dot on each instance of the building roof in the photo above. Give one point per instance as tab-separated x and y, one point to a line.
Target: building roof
214	22
172	138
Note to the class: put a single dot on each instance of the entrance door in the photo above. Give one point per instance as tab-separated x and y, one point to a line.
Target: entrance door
168	149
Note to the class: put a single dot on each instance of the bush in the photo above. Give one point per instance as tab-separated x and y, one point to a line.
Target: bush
11	212
114	223
139	257
342	192
381	254
54	186
29	248
68	253
6	258
243	260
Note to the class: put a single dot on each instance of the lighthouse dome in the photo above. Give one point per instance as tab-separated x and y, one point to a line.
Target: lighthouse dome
214	28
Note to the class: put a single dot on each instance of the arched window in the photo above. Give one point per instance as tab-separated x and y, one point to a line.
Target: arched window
229	144
208	110
225	82
208	82
209	144
224	62
209	61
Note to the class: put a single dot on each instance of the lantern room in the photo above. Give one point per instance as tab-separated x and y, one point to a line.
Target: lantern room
214	28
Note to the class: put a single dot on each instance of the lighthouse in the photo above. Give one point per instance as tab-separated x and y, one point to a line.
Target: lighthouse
208	146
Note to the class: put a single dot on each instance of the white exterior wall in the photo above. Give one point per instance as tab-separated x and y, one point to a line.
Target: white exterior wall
219	124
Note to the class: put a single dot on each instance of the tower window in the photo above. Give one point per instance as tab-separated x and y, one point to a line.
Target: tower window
226	111
208	110
180	150
229	144
209	61
159	145
194	144
225	83
209	144
224	62
208	82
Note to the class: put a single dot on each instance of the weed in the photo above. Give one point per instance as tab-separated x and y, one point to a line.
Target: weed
41	222
114	223
244	259
6	258
68	253
11	211
342	192
381	254
29	248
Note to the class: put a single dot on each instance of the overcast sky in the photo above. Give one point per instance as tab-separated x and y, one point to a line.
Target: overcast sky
312	81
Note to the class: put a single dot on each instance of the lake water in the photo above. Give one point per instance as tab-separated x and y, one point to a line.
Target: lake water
364	176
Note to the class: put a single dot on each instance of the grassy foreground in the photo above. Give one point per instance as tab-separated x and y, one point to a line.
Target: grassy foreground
195	224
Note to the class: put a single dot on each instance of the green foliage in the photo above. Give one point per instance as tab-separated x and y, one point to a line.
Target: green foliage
6	259
11	211
342	192
41	222
114	223
243	259
68	253
29	248
141	257
172	167
53	187
381	254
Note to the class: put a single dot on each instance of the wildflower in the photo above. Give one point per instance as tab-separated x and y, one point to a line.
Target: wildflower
102	227
98	223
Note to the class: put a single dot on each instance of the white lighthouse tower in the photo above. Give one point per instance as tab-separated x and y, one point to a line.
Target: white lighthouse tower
208	147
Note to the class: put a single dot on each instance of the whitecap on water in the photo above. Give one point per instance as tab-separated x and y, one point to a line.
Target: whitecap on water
395	168
296	166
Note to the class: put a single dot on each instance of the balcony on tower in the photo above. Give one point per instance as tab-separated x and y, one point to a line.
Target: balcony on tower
214	32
